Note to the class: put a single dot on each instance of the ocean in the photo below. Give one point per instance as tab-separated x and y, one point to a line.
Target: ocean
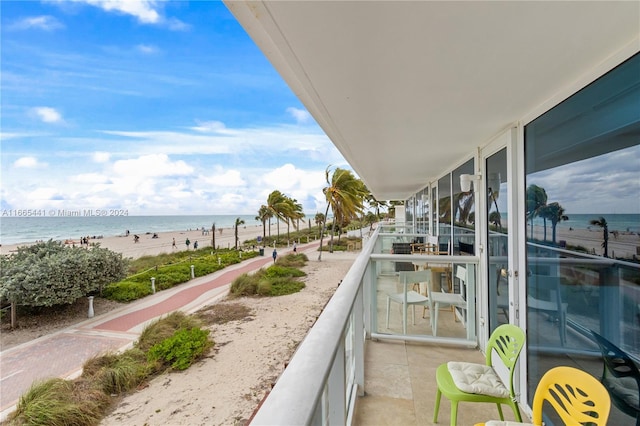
15	230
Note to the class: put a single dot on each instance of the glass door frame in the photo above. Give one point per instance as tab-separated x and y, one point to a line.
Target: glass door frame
506	140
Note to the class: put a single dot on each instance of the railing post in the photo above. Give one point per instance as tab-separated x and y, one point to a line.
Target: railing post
153	285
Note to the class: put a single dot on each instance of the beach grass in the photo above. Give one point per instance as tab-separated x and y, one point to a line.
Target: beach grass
175	341
276	280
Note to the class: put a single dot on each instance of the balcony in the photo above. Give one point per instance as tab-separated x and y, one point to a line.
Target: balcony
400	385
354	367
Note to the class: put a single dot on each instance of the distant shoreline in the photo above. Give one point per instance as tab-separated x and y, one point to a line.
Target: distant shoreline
149	246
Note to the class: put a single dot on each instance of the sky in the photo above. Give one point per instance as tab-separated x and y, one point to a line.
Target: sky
154	107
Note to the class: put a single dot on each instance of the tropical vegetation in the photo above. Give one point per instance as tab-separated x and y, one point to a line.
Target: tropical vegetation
170	343
169	270
276	280
345	195
602	223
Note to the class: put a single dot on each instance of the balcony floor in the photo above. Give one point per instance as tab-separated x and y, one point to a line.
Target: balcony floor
400	386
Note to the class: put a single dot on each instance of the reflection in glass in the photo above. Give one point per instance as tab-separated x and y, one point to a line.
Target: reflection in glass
583	227
498	239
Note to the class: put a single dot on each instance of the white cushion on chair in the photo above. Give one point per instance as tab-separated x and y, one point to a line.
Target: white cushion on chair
477	378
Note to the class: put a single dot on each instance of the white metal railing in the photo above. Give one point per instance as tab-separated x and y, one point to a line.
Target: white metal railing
326	374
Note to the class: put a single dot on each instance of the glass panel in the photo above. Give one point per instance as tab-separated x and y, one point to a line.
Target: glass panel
583	222
463	213
408	286
444	212
498	239
422	213
409	211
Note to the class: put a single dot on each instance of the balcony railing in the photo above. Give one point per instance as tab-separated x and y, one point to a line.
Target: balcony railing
326	374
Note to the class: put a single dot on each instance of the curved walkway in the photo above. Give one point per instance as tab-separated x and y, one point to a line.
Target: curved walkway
62	354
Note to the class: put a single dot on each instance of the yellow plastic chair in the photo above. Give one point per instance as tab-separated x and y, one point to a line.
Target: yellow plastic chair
484	384
577	397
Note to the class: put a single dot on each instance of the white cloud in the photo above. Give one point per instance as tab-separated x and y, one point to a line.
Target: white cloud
143	10
27	163
301	115
91	178
147	49
282	178
44	22
153	165
225	179
177	25
100	157
47	114
210	127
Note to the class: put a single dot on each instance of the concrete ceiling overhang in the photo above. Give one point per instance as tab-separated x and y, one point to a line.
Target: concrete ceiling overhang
408	90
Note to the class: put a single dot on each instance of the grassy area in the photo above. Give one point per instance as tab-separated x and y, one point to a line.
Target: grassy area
276	280
169	270
173	342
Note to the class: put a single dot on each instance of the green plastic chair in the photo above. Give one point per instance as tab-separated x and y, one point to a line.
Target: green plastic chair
506	341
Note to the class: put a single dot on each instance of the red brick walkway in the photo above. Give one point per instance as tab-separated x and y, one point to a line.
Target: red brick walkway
62	354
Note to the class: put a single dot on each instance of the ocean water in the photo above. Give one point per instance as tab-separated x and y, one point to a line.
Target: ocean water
15	230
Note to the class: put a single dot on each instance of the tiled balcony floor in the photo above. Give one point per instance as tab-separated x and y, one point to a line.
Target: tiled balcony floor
400	386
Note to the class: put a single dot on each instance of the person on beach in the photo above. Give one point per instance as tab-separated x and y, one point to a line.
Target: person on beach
173	244
274	255
195	245
187	243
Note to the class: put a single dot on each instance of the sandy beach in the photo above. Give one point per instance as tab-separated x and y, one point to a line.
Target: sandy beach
621	244
149	246
227	386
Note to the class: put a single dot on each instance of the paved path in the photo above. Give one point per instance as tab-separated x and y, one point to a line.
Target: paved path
63	353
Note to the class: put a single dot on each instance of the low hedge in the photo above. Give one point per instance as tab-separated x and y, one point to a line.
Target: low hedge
167	276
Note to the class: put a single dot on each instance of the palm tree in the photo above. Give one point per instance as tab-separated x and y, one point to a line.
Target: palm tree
555	213
319	219
375	204
293	212
277	204
344	195
238	223
264	215
536	200
602	223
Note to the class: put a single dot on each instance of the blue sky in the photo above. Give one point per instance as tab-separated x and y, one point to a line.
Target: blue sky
151	106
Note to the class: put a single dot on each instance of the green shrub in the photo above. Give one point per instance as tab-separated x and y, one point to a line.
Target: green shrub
284	286
181	349
264	288
164	328
51	274
277	271
126	291
174	275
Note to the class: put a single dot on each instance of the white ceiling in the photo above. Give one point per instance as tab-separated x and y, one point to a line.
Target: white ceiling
407	90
